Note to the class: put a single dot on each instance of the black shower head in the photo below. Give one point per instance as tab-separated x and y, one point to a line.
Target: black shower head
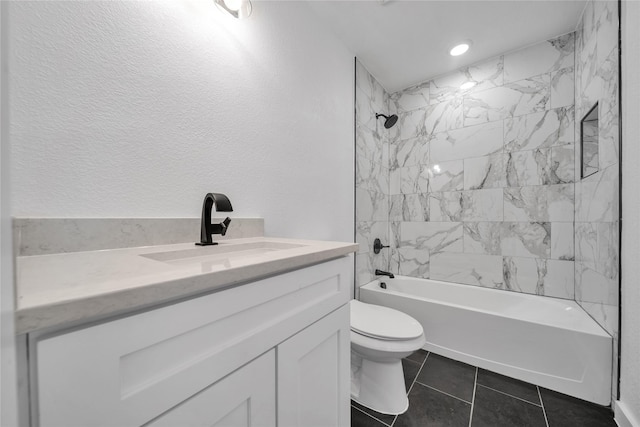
389	120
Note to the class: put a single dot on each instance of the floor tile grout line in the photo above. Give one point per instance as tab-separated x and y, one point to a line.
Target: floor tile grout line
419	370
473	398
370	416
440	391
414	382
510	395
544	411
472	403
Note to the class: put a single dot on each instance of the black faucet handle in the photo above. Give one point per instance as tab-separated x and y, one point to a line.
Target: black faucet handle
225	225
221	228
377	245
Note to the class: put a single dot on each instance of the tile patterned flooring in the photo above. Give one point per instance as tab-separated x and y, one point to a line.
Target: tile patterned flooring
446	393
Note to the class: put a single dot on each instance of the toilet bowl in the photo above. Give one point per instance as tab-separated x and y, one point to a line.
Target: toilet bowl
380	338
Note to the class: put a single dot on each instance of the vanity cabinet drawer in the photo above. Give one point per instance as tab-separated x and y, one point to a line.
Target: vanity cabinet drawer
128	372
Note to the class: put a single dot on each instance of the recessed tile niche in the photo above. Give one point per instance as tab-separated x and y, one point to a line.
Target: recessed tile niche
589	142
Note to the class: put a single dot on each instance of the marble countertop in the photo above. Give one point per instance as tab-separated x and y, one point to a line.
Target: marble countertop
70	288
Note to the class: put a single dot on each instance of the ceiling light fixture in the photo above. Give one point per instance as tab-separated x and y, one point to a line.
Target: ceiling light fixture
459	49
239	9
467	85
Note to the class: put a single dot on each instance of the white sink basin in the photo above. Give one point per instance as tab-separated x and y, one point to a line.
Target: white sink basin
219	254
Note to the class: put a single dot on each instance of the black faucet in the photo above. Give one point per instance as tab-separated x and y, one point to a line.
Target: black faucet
384	273
221	204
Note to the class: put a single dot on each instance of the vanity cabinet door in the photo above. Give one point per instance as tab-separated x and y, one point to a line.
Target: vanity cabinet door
314	373
245	398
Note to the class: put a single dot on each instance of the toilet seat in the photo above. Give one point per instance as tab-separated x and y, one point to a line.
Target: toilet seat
366	344
383	323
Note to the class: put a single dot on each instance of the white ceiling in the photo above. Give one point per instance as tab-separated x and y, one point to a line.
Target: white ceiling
407	42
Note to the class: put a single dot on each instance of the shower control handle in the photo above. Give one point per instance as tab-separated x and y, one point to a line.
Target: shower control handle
377	245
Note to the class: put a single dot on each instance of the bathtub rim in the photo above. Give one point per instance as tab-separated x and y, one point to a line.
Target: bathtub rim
594	327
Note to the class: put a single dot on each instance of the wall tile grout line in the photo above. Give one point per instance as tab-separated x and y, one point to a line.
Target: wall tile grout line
544	412
510	395
473	398
369	415
440	391
503	188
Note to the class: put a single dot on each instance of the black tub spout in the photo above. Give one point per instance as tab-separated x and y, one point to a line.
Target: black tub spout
384	273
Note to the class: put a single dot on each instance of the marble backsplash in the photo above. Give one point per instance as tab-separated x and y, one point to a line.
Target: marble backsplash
42	236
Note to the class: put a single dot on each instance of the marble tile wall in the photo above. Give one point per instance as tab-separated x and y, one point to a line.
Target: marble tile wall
597	196
597	204
372	175
481	185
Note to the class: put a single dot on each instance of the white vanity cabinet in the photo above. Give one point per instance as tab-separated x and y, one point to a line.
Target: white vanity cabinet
271	352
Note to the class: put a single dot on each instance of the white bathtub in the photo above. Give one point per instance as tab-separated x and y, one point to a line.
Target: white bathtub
545	341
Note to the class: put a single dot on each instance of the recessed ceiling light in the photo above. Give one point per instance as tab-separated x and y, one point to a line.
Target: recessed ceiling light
459	49
467	85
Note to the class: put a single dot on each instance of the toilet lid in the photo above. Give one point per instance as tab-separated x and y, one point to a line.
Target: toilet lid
382	322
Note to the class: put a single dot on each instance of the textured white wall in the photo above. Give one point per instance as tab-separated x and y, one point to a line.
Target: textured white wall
630	332
8	383
137	109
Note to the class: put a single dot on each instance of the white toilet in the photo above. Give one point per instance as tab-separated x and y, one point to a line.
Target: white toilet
380	338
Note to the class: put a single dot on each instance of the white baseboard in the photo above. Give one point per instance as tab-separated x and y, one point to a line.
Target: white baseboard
624	417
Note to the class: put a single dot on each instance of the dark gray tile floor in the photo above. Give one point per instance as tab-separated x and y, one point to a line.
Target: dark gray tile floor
446	393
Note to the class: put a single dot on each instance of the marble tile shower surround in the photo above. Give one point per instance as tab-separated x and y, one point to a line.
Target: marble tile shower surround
481	184
372	175
597	213
43	236
484	183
